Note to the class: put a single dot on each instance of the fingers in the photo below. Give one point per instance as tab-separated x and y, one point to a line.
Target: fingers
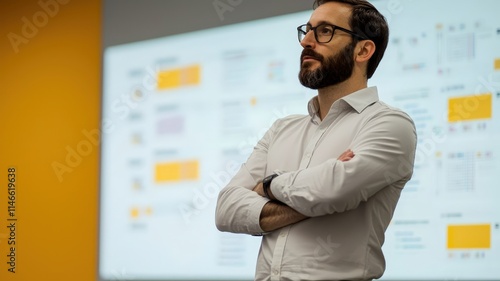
346	156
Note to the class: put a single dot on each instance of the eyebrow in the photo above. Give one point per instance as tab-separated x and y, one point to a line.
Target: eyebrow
321	22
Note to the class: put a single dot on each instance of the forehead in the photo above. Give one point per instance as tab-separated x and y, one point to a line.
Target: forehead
332	12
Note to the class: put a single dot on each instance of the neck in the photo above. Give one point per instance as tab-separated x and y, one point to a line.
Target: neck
328	95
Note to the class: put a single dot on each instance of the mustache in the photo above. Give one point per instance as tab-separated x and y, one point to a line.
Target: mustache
311	53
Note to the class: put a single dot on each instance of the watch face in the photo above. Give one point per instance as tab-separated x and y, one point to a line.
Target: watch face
266	184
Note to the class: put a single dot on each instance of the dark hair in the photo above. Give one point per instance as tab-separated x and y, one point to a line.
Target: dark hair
368	21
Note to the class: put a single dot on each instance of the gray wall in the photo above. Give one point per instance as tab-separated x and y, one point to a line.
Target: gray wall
135	20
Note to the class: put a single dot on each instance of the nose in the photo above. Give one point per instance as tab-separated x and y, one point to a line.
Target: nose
309	41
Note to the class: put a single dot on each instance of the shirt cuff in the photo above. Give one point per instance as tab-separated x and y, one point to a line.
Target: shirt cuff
277	186
254	212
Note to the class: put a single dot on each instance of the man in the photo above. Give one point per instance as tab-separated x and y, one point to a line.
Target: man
321	189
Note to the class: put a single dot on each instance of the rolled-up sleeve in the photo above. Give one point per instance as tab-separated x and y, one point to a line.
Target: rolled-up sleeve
238	207
384	155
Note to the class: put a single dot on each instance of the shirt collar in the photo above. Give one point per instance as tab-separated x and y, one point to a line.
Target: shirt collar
358	100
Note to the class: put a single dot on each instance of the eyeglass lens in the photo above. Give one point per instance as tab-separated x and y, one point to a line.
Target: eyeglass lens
323	33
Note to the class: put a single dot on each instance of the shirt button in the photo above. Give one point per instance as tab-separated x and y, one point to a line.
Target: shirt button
283	234
275	272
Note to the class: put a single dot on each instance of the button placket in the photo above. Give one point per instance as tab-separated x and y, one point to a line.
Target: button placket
308	153
278	253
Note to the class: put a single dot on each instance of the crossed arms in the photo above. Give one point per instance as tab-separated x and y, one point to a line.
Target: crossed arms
336	185
275	215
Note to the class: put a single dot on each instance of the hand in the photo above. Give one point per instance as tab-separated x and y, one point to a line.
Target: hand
259	188
346	156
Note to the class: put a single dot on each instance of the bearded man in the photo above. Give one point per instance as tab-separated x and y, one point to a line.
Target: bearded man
322	188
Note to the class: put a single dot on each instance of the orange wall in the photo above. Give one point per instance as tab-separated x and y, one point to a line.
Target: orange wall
49	93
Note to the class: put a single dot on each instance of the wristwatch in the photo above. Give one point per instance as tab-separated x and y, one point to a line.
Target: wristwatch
266	184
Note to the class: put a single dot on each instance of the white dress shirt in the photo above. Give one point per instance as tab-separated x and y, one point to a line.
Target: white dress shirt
350	204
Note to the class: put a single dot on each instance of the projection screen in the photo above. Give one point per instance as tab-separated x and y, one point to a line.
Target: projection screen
181	113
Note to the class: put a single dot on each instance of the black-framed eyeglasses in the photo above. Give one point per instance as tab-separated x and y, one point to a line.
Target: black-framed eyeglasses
323	32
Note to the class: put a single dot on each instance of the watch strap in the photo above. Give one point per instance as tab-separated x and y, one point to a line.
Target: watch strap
266	184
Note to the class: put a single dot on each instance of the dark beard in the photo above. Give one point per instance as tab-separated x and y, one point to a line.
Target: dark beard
333	70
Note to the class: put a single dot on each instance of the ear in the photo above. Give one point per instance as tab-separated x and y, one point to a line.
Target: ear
364	51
